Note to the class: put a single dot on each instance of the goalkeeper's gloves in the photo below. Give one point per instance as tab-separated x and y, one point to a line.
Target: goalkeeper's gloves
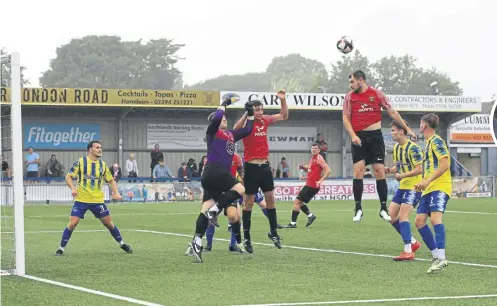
249	107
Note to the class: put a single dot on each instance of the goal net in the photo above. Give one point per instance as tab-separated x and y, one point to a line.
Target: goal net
11	179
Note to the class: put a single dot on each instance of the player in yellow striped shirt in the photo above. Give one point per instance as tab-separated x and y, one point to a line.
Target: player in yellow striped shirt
437	189
91	172
408	160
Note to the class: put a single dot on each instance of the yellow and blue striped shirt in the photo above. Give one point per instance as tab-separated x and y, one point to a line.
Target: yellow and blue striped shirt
90	175
435	150
406	157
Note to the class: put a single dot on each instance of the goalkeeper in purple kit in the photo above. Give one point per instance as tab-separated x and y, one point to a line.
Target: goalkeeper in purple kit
218	183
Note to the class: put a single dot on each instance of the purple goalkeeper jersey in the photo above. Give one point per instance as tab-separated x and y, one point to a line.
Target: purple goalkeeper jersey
221	144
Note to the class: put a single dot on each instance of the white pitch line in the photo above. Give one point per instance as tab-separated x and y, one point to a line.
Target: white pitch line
59	231
96	292
323	250
428	298
196	213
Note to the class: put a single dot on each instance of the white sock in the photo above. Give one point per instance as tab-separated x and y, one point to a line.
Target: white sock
407	248
441	254
434	253
413	241
121	242
309	215
293	223
61	248
197	240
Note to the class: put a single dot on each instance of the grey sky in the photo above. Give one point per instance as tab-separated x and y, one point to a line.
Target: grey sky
226	37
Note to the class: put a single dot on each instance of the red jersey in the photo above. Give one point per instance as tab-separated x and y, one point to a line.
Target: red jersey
256	145
237	163
365	108
315	168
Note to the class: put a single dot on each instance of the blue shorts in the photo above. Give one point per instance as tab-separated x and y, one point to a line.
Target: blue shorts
259	197
407	196
433	201
79	209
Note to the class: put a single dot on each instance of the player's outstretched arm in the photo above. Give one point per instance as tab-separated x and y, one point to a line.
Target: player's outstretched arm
241	122
284	112
215	121
394	114
249	126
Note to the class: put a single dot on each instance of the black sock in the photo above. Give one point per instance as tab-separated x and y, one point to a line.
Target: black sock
247	222
305	209
382	187
236	228
273	220
202	224
229	197
295	214
358	188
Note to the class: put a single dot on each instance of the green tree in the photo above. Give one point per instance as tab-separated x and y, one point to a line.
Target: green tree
5	70
109	62
296	73
401	76
238	82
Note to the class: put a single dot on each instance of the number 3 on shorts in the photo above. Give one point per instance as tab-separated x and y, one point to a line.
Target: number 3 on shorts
102	208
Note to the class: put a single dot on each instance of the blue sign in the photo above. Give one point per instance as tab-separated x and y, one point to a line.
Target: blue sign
59	136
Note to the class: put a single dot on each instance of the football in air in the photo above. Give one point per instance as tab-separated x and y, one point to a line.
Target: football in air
345	45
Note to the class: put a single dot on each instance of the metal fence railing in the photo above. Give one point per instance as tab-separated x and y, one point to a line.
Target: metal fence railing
144	191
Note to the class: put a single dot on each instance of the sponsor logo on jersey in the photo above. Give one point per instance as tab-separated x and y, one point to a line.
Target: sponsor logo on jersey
365	108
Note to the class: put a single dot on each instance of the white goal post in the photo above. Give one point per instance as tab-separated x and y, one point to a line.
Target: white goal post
11	64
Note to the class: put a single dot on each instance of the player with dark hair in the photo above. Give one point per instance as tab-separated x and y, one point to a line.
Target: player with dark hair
258	173
362	120
436	186
218	183
90	172
408	169
318	171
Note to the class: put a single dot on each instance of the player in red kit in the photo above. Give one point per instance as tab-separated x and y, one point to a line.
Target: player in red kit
317	171
258	173
362	120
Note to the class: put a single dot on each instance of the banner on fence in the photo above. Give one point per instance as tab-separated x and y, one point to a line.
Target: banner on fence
330	190
285	190
334	101
176	136
59	136
473	187
473	131
114	97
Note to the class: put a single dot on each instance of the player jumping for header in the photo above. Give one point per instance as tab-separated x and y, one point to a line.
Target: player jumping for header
318	171
362	120
408	163
437	189
218	183
91	171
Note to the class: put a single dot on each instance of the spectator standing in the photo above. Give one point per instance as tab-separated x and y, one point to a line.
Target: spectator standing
201	165
5	168
184	173
32	162
53	168
193	167
155	156
323	146
132	167
283	169
161	171
116	172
